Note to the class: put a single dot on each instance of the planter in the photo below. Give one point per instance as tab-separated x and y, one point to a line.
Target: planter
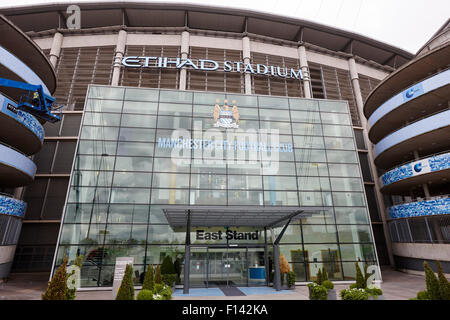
332	294
381	297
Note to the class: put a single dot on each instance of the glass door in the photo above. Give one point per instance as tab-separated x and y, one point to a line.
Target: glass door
217	266
236	267
198	267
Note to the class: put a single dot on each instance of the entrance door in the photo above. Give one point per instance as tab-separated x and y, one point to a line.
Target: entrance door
216	266
199	266
236	267
227	267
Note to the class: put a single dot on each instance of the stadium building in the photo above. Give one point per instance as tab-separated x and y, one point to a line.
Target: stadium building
226	134
409	118
25	73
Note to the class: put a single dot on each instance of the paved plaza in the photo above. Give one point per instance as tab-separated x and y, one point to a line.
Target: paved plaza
396	286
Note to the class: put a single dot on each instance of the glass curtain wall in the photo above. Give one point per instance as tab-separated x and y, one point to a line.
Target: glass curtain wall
134	156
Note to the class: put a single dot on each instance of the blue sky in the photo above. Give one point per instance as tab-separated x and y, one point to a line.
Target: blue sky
406	24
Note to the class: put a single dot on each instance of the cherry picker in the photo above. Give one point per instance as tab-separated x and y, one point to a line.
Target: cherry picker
34	100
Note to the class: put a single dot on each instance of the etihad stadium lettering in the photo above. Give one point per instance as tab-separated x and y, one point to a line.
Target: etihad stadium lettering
211	65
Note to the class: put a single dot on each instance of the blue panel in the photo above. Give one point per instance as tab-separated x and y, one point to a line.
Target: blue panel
415	129
17	160
422	208
439	80
9	108
257	273
435	163
11	206
200	292
14	64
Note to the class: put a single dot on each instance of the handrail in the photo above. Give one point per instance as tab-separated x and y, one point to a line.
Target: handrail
444	196
402	90
414	160
8	195
417	120
7	145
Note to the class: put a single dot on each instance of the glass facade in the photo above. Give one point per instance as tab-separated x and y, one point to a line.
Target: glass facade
143	149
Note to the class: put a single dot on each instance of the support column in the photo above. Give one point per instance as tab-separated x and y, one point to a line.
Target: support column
184	55
360	105
120	51
276	258
187	254
266	257
55	51
305	70
246	57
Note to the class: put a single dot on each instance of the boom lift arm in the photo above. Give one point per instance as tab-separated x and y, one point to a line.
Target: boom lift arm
34	101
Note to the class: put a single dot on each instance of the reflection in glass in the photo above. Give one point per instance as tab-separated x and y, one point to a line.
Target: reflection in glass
133	164
277	198
134	149
140	107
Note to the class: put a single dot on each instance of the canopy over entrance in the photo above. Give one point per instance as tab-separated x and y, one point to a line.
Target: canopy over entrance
236	216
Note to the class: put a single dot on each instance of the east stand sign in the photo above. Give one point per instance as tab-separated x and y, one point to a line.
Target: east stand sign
227	235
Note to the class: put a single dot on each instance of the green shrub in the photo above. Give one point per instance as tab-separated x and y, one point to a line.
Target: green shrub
149	280
317	292
162	292
126	290
422	295
319	277
290	278
169	279
432	283
57	287
167	266
324	274
354	294
145	295
444	286
360	279
159	287
158	278
374	292
166	293
71	293
328	284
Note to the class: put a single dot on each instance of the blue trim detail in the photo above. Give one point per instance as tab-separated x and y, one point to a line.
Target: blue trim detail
437	81
435	163
17	160
421	208
22	117
12	207
415	129
11	62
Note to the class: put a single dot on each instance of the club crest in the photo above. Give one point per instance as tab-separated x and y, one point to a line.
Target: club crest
226	116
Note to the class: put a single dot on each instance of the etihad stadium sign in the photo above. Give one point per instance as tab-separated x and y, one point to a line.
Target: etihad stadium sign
212	65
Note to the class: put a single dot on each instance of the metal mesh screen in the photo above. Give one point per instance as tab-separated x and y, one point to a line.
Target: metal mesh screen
151	77
262	84
215	81
332	83
79	67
